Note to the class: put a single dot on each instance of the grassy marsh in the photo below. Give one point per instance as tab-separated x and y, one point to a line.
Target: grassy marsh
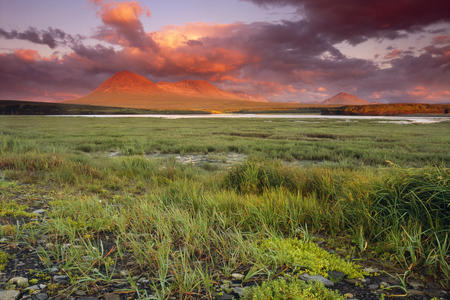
370	191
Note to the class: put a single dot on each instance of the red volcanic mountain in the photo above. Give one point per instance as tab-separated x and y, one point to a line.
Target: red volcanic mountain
128	89
127	82
345	99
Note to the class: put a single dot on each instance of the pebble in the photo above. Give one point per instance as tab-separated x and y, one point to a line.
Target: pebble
111	297
35	288
19	281
60	278
225	297
416	285
237	276
143	280
373	286
239	291
38	211
319	278
351	281
435	293
40	296
54	269
370	270
348	295
9	295
80	293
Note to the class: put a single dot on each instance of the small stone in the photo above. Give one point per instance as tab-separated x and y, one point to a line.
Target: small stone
60	278
351	281
80	293
319	278
225	297
237	276
9	295
42	286
348	295
111	297
373	286
435	293
40	296
33	287
87	298
416	285
38	211
143	280
239	291
19	281
123	273
53	269
370	270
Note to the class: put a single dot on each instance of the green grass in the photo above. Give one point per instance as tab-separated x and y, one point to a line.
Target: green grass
185	228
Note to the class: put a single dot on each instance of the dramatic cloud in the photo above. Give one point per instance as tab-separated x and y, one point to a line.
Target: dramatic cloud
122	24
356	20
51	37
295	60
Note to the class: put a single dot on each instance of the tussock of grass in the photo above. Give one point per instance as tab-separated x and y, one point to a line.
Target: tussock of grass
254	177
295	289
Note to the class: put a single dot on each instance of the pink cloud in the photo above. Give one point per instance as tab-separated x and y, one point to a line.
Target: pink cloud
27	55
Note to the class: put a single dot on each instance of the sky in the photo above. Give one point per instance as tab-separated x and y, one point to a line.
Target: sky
285	50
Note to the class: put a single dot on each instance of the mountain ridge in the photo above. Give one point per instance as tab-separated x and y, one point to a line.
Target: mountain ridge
344	98
129	89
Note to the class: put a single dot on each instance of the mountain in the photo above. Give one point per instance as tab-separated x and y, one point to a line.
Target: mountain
345	99
128	89
127	82
194	88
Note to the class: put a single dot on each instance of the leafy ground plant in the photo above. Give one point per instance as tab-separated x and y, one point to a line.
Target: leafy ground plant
295	289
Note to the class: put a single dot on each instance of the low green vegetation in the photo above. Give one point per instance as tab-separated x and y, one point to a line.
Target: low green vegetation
296	289
4	257
367	190
306	257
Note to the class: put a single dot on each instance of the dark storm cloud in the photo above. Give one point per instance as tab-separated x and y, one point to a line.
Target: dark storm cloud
356	20
51	37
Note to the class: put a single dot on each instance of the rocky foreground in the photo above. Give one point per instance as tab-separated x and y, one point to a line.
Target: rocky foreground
26	277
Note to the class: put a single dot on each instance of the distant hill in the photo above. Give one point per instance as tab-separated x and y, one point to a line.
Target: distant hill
128	89
17	107
390	109
345	99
